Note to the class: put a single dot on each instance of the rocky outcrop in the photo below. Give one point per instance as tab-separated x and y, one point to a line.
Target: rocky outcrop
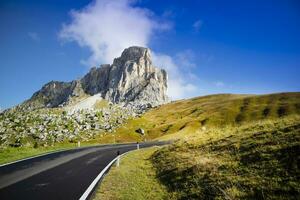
48	126
51	95
131	78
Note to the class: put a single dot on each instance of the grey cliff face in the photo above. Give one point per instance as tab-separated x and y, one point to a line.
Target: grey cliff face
131	78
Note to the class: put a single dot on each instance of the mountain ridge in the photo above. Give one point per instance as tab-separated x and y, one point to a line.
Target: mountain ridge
131	78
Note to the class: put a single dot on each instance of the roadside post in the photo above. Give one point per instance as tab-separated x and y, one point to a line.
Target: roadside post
137	145
78	143
118	160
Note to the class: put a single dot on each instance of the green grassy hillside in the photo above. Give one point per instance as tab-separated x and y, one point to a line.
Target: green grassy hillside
226	147
132	170
259	160
221	110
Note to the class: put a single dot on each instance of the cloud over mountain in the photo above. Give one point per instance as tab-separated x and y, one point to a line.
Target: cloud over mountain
107	27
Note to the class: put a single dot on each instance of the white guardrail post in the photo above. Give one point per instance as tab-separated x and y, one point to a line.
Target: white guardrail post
118	159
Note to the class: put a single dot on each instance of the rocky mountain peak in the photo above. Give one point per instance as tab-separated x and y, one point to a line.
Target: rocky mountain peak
133	54
130	79
134	78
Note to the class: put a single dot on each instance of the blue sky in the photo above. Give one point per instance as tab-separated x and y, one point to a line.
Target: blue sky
209	46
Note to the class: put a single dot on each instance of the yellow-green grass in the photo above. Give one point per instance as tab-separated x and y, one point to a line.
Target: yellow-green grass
11	154
228	147
135	178
187	116
258	160
101	104
183	118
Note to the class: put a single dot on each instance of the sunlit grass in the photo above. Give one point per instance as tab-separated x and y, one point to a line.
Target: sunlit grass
186	116
226	147
11	154
254	161
135	178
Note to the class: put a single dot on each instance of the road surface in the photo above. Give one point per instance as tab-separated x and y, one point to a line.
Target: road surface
62	175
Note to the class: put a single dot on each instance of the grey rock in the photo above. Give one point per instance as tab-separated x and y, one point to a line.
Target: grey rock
131	78
140	131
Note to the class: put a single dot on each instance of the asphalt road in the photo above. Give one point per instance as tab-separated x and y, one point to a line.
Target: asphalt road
62	175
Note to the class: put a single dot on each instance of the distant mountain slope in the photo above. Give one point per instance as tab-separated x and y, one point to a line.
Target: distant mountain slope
213	111
131	78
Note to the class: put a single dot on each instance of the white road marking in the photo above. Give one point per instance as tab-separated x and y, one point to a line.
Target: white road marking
96	180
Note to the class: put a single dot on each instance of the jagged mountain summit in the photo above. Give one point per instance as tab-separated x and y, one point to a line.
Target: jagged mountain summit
131	78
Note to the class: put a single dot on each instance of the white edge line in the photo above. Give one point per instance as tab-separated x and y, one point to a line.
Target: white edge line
96	180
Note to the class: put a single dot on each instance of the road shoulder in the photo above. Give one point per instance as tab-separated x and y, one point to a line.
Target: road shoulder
135	178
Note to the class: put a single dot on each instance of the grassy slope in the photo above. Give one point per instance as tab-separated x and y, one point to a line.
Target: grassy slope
229	147
221	110
137	171
254	161
184	117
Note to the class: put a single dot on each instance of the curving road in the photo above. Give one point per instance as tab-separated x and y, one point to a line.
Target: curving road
62	175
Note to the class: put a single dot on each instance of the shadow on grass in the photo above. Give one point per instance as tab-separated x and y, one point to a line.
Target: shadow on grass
260	165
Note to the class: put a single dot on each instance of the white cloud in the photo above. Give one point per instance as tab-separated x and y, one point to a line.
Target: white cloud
34	36
179	85
108	27
197	25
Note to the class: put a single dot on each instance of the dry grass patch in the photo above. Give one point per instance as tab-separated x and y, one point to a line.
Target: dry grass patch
217	111
135	178
259	160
